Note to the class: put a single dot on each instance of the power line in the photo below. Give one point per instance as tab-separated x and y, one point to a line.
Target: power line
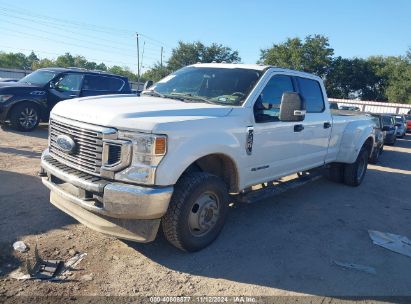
57	54
59	41
86	26
76	33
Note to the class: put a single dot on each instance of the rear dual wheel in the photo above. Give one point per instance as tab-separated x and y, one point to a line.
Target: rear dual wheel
350	174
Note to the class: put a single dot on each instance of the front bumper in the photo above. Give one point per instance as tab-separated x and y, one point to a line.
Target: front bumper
122	210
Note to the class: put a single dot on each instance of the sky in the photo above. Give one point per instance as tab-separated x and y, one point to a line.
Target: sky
104	31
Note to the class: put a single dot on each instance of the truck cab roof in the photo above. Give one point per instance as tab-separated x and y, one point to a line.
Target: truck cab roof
257	67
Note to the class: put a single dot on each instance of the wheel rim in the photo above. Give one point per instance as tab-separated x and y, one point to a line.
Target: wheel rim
204	214
361	167
28	118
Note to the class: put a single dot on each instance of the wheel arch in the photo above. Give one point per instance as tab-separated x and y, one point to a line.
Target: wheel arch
218	164
39	105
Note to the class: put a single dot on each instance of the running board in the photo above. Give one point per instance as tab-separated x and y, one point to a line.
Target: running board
276	187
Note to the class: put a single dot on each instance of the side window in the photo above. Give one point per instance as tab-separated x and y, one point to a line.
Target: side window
267	106
95	83
102	83
115	84
310	91
69	84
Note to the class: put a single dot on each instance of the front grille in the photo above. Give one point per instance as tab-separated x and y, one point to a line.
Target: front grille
87	155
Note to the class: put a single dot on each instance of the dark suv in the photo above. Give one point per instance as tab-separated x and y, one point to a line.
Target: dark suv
27	102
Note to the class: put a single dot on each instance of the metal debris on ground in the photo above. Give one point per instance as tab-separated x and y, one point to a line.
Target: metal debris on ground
70	264
52	270
20	246
363	268
394	242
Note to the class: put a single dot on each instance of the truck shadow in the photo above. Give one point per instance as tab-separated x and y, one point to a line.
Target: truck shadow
20	152
24	210
290	241
40	132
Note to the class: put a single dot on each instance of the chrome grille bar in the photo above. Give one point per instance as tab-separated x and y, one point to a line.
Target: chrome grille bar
89	139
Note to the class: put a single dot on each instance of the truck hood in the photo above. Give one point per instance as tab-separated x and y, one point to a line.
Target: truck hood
131	112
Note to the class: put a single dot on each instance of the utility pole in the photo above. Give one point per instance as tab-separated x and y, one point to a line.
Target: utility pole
161	62
161	58
138	61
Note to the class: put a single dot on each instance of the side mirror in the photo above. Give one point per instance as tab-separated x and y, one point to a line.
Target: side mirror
292	107
147	84
52	85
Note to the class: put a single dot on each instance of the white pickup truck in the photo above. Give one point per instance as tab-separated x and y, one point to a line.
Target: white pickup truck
196	141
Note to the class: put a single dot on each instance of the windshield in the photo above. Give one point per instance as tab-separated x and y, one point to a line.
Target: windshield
376	120
214	85
387	121
399	120
38	77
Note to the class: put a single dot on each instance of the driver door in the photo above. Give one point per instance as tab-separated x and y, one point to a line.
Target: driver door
276	147
66	86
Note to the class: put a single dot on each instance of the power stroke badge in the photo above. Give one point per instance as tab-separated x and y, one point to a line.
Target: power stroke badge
249	140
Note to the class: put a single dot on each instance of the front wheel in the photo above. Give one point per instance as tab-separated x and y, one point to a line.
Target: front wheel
197	211
25	117
354	173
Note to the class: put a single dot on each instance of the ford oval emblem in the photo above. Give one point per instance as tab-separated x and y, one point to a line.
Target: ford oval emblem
66	143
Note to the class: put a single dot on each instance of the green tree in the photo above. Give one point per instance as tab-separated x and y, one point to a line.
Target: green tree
354	78
32	59
396	73
43	63
155	73
66	60
124	71
313	55
14	61
189	53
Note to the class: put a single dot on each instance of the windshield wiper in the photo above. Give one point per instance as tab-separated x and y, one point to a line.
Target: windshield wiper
153	93
192	97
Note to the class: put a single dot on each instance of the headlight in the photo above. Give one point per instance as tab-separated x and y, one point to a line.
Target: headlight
148	151
4	98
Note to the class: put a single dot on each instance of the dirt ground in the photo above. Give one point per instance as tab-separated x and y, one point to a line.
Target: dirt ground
282	246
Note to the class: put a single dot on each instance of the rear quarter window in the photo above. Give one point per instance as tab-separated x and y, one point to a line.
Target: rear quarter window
311	92
102	83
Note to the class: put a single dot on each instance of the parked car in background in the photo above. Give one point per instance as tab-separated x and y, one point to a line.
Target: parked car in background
389	128
408	119
334	106
8	80
27	102
379	139
349	108
401	124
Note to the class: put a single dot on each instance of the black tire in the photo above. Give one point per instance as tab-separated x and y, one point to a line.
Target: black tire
335	172
177	223
354	173
25	117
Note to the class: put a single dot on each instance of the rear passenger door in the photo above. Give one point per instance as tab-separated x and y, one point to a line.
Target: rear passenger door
317	122
101	85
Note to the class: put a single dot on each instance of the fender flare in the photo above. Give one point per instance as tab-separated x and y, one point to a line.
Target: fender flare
353	139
